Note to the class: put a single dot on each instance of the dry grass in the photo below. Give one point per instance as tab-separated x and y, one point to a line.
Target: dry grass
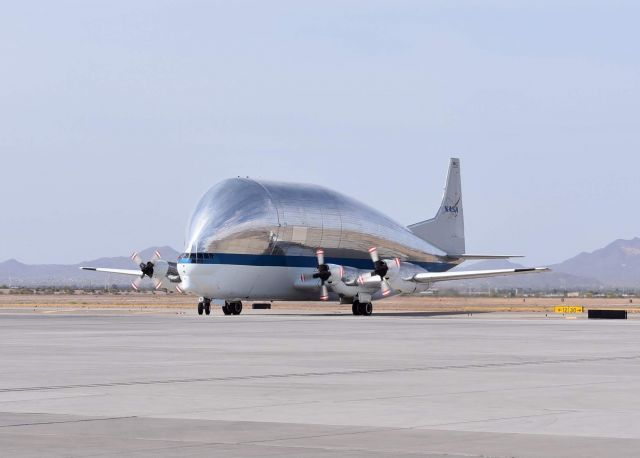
425	304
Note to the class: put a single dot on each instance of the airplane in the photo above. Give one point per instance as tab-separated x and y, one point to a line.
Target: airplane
259	240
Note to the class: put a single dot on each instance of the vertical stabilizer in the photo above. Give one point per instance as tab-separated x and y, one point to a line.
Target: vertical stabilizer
446	229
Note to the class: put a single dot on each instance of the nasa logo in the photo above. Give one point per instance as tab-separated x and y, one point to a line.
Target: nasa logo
452	208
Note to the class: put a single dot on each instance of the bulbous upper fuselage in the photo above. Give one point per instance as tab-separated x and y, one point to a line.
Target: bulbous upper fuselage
242	216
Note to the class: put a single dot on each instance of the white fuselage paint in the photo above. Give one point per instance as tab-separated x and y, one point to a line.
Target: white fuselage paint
240	282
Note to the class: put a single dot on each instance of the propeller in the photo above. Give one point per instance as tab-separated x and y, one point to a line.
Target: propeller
323	273
147	270
327	273
380	268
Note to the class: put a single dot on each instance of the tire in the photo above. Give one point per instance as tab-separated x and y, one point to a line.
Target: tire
207	308
355	308
367	309
200	308
237	308
226	309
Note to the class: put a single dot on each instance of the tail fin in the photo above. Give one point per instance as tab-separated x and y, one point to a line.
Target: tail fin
446	229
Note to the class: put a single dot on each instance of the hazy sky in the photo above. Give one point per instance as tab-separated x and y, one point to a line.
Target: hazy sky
116	116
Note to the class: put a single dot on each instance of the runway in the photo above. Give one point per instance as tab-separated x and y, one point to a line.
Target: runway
164	383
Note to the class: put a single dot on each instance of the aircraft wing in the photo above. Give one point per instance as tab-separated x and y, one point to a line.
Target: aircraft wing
137	273
473	257
432	277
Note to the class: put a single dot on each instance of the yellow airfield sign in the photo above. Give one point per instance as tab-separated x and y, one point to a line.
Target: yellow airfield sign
569	309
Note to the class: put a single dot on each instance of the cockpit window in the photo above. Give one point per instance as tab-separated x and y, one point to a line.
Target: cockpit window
195	258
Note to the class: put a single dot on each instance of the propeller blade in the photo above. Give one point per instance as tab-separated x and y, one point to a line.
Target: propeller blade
373	252
380	267
320	255
156	256
135	257
180	290
157	284
386	288
135	284
324	293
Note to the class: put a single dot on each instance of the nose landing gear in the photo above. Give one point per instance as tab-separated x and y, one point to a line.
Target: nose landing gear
204	306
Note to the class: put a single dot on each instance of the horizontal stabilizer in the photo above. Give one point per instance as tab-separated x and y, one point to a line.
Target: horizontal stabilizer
432	277
137	273
474	257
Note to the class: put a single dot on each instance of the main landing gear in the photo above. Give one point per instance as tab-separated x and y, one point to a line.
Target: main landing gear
232	308
229	307
362	308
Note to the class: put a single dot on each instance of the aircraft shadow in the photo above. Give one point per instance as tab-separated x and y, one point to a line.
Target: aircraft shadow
424	313
392	314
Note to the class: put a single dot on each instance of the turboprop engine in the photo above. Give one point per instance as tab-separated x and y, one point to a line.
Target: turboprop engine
162	273
341	279
386	269
391	275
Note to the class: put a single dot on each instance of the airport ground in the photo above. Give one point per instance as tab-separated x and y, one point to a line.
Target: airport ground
143	375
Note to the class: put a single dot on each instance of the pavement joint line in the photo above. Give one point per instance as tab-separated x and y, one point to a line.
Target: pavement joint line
321	374
316	436
482	420
81	420
456	393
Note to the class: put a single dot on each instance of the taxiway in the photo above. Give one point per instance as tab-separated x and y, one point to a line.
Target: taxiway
169	383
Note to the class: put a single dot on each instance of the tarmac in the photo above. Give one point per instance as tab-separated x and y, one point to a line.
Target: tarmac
300	384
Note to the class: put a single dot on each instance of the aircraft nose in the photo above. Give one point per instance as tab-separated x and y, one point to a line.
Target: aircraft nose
186	283
192	282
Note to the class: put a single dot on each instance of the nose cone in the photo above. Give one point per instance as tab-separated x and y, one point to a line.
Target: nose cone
196	278
185	283
186	279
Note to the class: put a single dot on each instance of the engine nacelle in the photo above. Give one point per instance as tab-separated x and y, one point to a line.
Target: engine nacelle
160	269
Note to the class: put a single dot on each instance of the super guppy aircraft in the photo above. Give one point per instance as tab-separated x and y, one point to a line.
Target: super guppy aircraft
261	240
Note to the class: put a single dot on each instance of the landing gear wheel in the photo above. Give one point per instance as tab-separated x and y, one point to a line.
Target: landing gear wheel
367	309
207	308
355	308
200	308
232	308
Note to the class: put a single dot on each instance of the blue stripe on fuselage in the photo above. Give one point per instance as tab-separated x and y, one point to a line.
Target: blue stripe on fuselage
295	261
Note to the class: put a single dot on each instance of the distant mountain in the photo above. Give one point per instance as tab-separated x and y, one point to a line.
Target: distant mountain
616	265
15	273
